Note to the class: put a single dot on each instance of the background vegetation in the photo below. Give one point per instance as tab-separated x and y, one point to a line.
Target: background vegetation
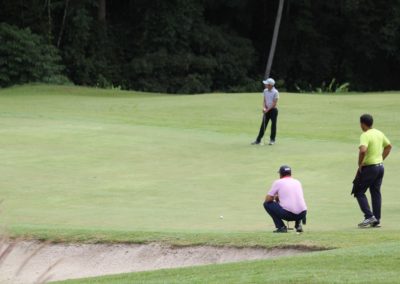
193	46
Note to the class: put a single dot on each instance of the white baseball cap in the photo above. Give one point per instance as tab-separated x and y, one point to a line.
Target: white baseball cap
269	81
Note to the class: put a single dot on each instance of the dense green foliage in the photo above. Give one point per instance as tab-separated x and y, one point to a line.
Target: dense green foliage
191	46
26	58
181	53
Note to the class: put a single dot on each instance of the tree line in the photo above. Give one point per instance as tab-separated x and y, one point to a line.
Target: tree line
195	46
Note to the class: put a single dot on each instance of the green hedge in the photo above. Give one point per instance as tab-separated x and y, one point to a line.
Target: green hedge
25	57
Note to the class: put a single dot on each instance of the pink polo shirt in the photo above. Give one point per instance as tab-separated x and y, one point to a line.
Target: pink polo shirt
290	194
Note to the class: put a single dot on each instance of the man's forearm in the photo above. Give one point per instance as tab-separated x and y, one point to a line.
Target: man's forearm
361	156
269	198
386	151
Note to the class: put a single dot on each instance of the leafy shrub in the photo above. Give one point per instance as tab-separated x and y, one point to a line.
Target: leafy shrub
25	57
180	53
332	87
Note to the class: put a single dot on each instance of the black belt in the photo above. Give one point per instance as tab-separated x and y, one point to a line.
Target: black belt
374	165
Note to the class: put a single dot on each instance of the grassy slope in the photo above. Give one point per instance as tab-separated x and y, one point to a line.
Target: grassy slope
101	165
368	264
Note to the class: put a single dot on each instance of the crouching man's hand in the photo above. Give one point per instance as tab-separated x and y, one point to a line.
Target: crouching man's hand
270	198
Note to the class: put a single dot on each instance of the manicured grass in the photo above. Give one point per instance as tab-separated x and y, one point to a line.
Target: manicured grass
368	264
313	240
81	164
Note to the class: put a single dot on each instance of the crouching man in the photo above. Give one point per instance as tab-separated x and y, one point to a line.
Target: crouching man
285	201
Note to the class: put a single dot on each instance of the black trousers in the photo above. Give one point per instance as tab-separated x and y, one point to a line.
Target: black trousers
277	213
273	116
370	177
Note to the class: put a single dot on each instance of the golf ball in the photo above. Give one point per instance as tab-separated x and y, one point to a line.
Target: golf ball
221	217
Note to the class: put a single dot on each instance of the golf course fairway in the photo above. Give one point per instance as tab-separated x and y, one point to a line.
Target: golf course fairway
92	165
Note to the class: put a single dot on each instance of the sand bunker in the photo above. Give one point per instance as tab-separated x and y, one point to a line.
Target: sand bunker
32	262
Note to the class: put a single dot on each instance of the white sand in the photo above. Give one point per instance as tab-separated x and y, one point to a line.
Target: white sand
49	262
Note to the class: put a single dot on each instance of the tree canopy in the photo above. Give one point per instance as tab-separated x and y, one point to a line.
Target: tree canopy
194	46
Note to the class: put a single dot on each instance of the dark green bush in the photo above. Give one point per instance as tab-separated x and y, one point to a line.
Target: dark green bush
25	57
180	53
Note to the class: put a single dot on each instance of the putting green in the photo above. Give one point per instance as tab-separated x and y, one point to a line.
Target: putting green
79	158
81	164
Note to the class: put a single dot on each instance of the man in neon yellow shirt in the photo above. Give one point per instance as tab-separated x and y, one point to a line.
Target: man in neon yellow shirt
374	148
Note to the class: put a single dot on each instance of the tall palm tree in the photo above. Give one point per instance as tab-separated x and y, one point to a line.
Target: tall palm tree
274	39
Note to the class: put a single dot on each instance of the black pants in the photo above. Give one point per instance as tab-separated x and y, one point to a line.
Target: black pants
273	116
370	177
278	214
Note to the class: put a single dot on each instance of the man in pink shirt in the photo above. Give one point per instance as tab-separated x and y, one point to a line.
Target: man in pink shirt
285	201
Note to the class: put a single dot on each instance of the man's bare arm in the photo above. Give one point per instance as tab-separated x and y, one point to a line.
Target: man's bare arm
386	151
274	104
361	155
265	109
269	198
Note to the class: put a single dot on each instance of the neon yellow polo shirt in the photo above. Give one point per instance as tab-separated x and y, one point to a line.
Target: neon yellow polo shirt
375	141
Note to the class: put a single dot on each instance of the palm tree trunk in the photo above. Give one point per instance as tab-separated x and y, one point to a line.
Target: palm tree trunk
101	14
63	23
50	22
274	39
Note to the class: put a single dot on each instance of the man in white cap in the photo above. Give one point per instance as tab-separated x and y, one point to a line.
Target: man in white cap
271	96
